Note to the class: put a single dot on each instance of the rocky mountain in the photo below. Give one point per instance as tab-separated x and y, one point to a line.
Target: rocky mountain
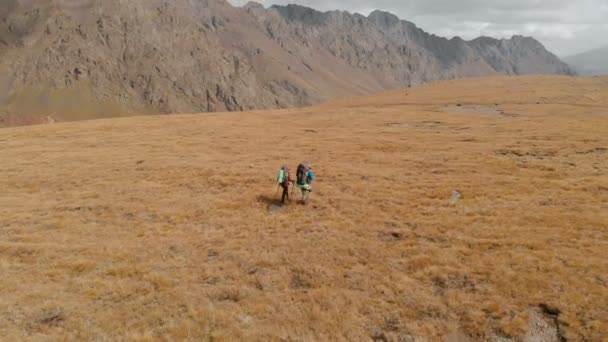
77	59
594	62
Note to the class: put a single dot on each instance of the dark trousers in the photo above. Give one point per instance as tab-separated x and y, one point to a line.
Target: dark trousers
285	192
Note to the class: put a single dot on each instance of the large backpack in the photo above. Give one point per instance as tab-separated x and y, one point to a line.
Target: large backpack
301	174
282	177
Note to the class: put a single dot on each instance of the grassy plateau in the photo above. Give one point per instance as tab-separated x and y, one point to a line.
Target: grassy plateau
157	228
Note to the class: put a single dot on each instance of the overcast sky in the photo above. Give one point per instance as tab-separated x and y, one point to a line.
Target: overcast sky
564	26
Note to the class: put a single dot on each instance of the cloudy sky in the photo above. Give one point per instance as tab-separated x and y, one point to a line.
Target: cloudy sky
564	26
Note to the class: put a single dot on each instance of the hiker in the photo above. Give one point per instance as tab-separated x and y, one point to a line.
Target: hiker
304	180
284	178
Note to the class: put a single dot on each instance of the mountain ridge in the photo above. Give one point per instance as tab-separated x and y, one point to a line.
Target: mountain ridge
592	62
86	59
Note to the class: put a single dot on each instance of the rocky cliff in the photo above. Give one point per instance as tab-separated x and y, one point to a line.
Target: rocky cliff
77	59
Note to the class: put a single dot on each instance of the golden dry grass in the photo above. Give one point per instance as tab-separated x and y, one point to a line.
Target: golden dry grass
156	227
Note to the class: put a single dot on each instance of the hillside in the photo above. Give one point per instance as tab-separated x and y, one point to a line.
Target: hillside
593	62
82	59
151	228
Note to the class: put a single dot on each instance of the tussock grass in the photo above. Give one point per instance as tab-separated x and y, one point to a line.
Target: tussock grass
156	227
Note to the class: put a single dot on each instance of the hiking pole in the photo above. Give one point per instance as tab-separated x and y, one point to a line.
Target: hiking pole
277	192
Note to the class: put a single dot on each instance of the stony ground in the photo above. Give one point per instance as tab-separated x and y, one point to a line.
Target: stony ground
157	227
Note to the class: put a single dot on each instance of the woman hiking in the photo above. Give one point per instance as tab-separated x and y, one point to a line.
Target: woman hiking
304	180
284	179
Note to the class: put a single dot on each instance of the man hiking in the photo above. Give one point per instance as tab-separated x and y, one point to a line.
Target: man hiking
284	178
304	180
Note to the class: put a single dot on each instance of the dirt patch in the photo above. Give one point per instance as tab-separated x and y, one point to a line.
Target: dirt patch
274	209
533	154
597	150
355	280
479	109
301	280
417	124
453	281
390	236
52	317
228	295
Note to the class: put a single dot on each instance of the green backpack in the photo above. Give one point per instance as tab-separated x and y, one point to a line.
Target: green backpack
282	177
